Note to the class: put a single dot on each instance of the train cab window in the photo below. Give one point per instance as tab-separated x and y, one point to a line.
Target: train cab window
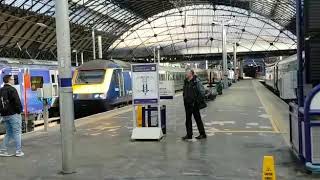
36	82
16	79
90	77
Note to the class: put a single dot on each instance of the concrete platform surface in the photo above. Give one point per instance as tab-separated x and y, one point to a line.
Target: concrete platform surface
241	130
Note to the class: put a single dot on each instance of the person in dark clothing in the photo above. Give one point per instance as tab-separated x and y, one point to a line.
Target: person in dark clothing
193	91
10	110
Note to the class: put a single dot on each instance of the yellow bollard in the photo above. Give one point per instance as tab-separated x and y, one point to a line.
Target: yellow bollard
139	116
268	169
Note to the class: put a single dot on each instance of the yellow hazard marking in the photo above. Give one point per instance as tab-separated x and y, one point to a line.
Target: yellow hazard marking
139	116
268	111
243	131
268	169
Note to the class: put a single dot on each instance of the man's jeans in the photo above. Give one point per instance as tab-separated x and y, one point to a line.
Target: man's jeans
13	131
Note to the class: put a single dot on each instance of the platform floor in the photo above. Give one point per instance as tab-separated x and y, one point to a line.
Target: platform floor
242	125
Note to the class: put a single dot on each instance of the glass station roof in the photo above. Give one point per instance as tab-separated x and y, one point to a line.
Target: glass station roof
198	30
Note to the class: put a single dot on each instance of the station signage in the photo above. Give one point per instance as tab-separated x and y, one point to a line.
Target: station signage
145	88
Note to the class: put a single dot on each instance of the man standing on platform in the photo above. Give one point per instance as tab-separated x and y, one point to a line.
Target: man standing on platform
10	110
193	97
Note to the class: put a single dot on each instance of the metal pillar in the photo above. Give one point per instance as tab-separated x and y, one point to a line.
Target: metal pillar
65	90
224	56
300	40
207	65
99	47
159	106
81	57
235	60
77	63
241	70
154	55
45	114
93	44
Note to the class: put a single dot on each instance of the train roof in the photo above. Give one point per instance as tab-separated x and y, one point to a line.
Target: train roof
103	64
289	59
171	69
15	61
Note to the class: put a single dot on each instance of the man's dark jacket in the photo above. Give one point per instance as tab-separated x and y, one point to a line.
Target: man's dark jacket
193	90
14	106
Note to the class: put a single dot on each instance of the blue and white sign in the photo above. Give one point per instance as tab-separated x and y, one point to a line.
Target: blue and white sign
145	83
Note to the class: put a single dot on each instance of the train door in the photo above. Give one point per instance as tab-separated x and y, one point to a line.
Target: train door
18	78
54	82
118	80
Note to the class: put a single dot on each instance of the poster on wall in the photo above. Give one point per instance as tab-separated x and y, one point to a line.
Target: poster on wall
145	83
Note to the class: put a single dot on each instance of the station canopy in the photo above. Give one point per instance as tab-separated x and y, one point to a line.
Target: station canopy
132	28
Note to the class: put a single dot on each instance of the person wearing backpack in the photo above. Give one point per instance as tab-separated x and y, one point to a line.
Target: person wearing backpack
10	110
193	97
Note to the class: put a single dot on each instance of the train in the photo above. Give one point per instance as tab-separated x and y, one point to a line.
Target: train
36	73
281	77
100	85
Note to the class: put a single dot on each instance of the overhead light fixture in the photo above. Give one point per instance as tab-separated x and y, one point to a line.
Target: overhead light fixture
19	46
41	24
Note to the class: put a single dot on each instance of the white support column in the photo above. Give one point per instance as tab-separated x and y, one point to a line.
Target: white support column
235	60
65	92
224	56
77	63
93	44
241	69
82	57
207	66
159	106
154	55
99	47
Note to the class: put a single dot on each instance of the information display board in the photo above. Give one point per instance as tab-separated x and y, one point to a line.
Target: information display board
145	80
166	89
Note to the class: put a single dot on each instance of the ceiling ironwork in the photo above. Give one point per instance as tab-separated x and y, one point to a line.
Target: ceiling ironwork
28	25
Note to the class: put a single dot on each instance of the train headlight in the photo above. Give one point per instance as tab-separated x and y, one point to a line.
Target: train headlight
99	96
75	96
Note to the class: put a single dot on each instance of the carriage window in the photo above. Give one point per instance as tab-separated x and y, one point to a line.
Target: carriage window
53	80
90	77
36	82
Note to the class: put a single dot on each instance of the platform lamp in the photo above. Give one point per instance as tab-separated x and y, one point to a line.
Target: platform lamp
223	23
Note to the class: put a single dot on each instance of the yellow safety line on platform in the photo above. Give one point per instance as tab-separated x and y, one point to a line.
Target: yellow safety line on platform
266	108
244	131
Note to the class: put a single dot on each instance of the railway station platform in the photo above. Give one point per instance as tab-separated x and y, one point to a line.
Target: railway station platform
244	124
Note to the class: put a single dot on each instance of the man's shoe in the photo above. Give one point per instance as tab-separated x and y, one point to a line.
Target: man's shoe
19	154
4	153
201	136
186	137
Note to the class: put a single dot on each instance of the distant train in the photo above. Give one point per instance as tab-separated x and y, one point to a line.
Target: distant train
281	77
99	85
39	73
